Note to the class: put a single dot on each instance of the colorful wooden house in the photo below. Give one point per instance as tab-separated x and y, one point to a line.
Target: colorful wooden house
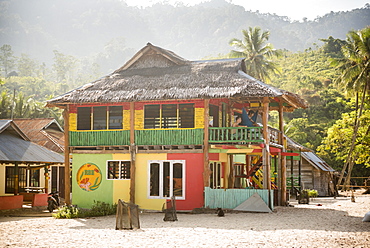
162	126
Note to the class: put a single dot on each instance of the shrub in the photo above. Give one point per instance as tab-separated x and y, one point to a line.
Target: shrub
97	209
67	212
312	193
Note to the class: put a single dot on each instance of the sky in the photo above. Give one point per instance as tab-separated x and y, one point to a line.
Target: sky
296	10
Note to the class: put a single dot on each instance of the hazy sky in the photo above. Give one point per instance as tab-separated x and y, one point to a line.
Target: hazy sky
295	9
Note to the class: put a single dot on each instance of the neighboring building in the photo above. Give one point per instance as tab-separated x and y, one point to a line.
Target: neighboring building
142	134
23	164
309	171
47	133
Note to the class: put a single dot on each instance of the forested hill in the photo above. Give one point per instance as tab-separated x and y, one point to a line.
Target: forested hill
110	31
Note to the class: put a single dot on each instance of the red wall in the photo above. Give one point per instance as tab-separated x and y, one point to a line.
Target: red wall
194	180
11	202
40	200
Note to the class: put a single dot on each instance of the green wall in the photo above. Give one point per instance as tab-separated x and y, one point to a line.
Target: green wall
104	193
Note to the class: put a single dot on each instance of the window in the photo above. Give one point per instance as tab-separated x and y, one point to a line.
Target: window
166	179
100	118
83	118
215	177
169	116
115	117
26	178
118	169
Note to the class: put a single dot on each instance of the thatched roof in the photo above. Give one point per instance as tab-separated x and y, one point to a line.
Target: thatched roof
158	74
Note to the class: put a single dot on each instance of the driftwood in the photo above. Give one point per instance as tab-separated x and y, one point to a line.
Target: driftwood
127	216
170	210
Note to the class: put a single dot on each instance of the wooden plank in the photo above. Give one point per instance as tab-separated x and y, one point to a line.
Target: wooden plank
67	169
206	170
132	152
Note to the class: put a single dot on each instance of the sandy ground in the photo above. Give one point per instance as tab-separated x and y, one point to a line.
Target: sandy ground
325	222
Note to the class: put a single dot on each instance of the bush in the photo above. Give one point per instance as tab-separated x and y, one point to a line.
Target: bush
97	209
67	212
312	193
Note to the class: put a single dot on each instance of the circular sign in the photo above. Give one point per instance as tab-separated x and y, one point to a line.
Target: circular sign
89	177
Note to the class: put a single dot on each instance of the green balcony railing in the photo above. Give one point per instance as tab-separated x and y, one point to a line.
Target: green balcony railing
166	136
99	138
235	134
169	137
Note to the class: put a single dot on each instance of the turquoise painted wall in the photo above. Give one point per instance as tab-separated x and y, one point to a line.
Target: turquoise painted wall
103	193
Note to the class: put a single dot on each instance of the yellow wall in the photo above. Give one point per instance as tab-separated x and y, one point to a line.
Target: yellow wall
72	121
121	188
141	194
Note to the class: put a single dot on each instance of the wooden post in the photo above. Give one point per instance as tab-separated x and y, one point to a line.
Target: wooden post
266	136
16	178
67	169
282	186
132	152
47	177
207	171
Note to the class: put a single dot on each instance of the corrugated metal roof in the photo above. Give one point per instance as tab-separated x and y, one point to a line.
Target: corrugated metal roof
317	162
13	148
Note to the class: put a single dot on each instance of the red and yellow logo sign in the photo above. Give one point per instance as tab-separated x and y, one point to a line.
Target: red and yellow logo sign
89	177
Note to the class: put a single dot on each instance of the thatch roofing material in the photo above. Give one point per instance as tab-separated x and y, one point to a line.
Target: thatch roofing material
183	80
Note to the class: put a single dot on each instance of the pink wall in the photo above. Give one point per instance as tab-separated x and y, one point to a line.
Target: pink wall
194	180
11	202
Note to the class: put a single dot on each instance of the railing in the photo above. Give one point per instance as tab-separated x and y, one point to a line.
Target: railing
99	138
274	135
235	134
169	137
218	135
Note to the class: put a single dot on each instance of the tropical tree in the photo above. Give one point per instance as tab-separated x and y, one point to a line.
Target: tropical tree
7	60
257	53
355	78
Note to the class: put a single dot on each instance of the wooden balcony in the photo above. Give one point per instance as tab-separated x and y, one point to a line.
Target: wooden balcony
172	137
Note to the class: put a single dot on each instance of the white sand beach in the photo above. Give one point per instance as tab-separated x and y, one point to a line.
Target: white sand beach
324	222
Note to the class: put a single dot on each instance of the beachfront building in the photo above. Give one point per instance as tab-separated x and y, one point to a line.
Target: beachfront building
163	126
24	167
47	132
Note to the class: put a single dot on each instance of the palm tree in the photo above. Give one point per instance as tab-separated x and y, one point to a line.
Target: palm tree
356	78
257	53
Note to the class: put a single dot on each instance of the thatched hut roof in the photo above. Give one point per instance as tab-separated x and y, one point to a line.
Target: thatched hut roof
158	74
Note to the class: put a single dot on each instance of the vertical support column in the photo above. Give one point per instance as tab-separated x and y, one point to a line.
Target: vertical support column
67	168
282	185
16	178
132	152
266	149
206	170
47	177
